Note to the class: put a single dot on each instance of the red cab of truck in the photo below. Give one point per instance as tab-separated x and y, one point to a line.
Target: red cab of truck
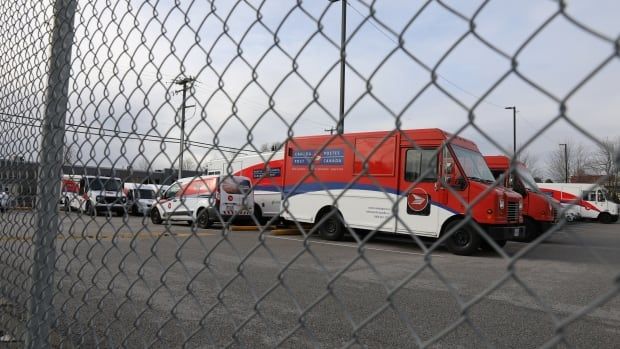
538	211
423	182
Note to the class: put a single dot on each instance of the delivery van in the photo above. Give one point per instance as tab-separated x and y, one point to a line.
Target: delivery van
590	200
205	200
140	197
423	182
100	194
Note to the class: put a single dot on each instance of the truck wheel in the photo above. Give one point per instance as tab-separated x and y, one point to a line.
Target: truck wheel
605	218
614	219
155	216
202	219
532	230
90	210
463	241
331	228
258	215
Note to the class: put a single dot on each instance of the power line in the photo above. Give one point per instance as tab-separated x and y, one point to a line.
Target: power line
380	30
137	134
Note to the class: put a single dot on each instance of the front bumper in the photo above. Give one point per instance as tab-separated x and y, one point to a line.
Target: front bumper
506	232
110	207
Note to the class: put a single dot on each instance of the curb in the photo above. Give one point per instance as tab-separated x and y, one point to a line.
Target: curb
285	231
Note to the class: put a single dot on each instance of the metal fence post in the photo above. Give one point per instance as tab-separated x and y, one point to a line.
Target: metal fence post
40	312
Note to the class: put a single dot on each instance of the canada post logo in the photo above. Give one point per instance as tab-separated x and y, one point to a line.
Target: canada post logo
327	157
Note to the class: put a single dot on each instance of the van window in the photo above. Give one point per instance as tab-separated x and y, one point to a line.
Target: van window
200	186
600	196
172	191
589	196
235	185
421	163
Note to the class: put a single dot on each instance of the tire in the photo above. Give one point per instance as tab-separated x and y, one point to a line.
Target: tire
202	219
90	210
464	241
605	218
156	216
532	230
614	219
258	215
331	228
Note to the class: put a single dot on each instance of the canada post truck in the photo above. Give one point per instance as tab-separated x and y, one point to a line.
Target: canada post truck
418	181
539	212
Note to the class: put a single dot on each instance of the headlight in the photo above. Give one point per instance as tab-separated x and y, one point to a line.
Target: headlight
501	203
520	204
123	200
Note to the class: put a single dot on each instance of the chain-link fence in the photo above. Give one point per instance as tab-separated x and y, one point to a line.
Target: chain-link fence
154	156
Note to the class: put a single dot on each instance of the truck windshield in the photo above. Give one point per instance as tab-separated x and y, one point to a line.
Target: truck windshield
473	164
107	184
526	179
145	194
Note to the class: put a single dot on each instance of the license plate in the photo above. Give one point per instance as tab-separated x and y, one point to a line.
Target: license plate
230	207
517	232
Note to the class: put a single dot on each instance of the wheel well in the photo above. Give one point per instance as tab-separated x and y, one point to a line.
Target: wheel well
199	210
325	210
456	217
257	210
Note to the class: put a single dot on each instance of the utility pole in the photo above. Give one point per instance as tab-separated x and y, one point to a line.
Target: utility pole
565	162
330	130
514	130
343	42
183	82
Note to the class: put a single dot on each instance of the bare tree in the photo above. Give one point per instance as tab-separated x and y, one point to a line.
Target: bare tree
70	154
142	164
189	165
579	162
605	162
266	147
531	162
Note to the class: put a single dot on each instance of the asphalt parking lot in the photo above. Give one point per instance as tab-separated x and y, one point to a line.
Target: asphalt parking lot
124	281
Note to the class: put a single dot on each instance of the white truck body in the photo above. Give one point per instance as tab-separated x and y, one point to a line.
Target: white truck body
205	200
267	183
140	197
99	193
585	200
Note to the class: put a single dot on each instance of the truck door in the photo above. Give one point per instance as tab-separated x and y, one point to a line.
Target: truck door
170	201
417	192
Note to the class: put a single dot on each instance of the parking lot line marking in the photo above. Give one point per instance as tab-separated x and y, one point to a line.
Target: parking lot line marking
355	246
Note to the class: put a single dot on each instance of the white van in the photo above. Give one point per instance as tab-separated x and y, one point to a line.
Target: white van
589	200
140	197
97	193
205	200
265	172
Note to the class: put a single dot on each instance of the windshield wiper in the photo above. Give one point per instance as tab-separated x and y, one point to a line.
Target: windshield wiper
478	179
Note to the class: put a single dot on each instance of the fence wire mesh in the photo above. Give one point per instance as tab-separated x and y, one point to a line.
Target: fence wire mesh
138	136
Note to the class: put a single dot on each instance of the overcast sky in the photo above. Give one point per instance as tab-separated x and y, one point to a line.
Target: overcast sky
128	55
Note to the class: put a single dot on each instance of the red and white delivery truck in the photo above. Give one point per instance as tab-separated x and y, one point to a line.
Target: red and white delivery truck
404	182
589	200
539	213
264	171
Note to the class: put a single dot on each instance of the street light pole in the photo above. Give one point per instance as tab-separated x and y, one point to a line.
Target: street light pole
514	129
565	162
184	83
343	40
